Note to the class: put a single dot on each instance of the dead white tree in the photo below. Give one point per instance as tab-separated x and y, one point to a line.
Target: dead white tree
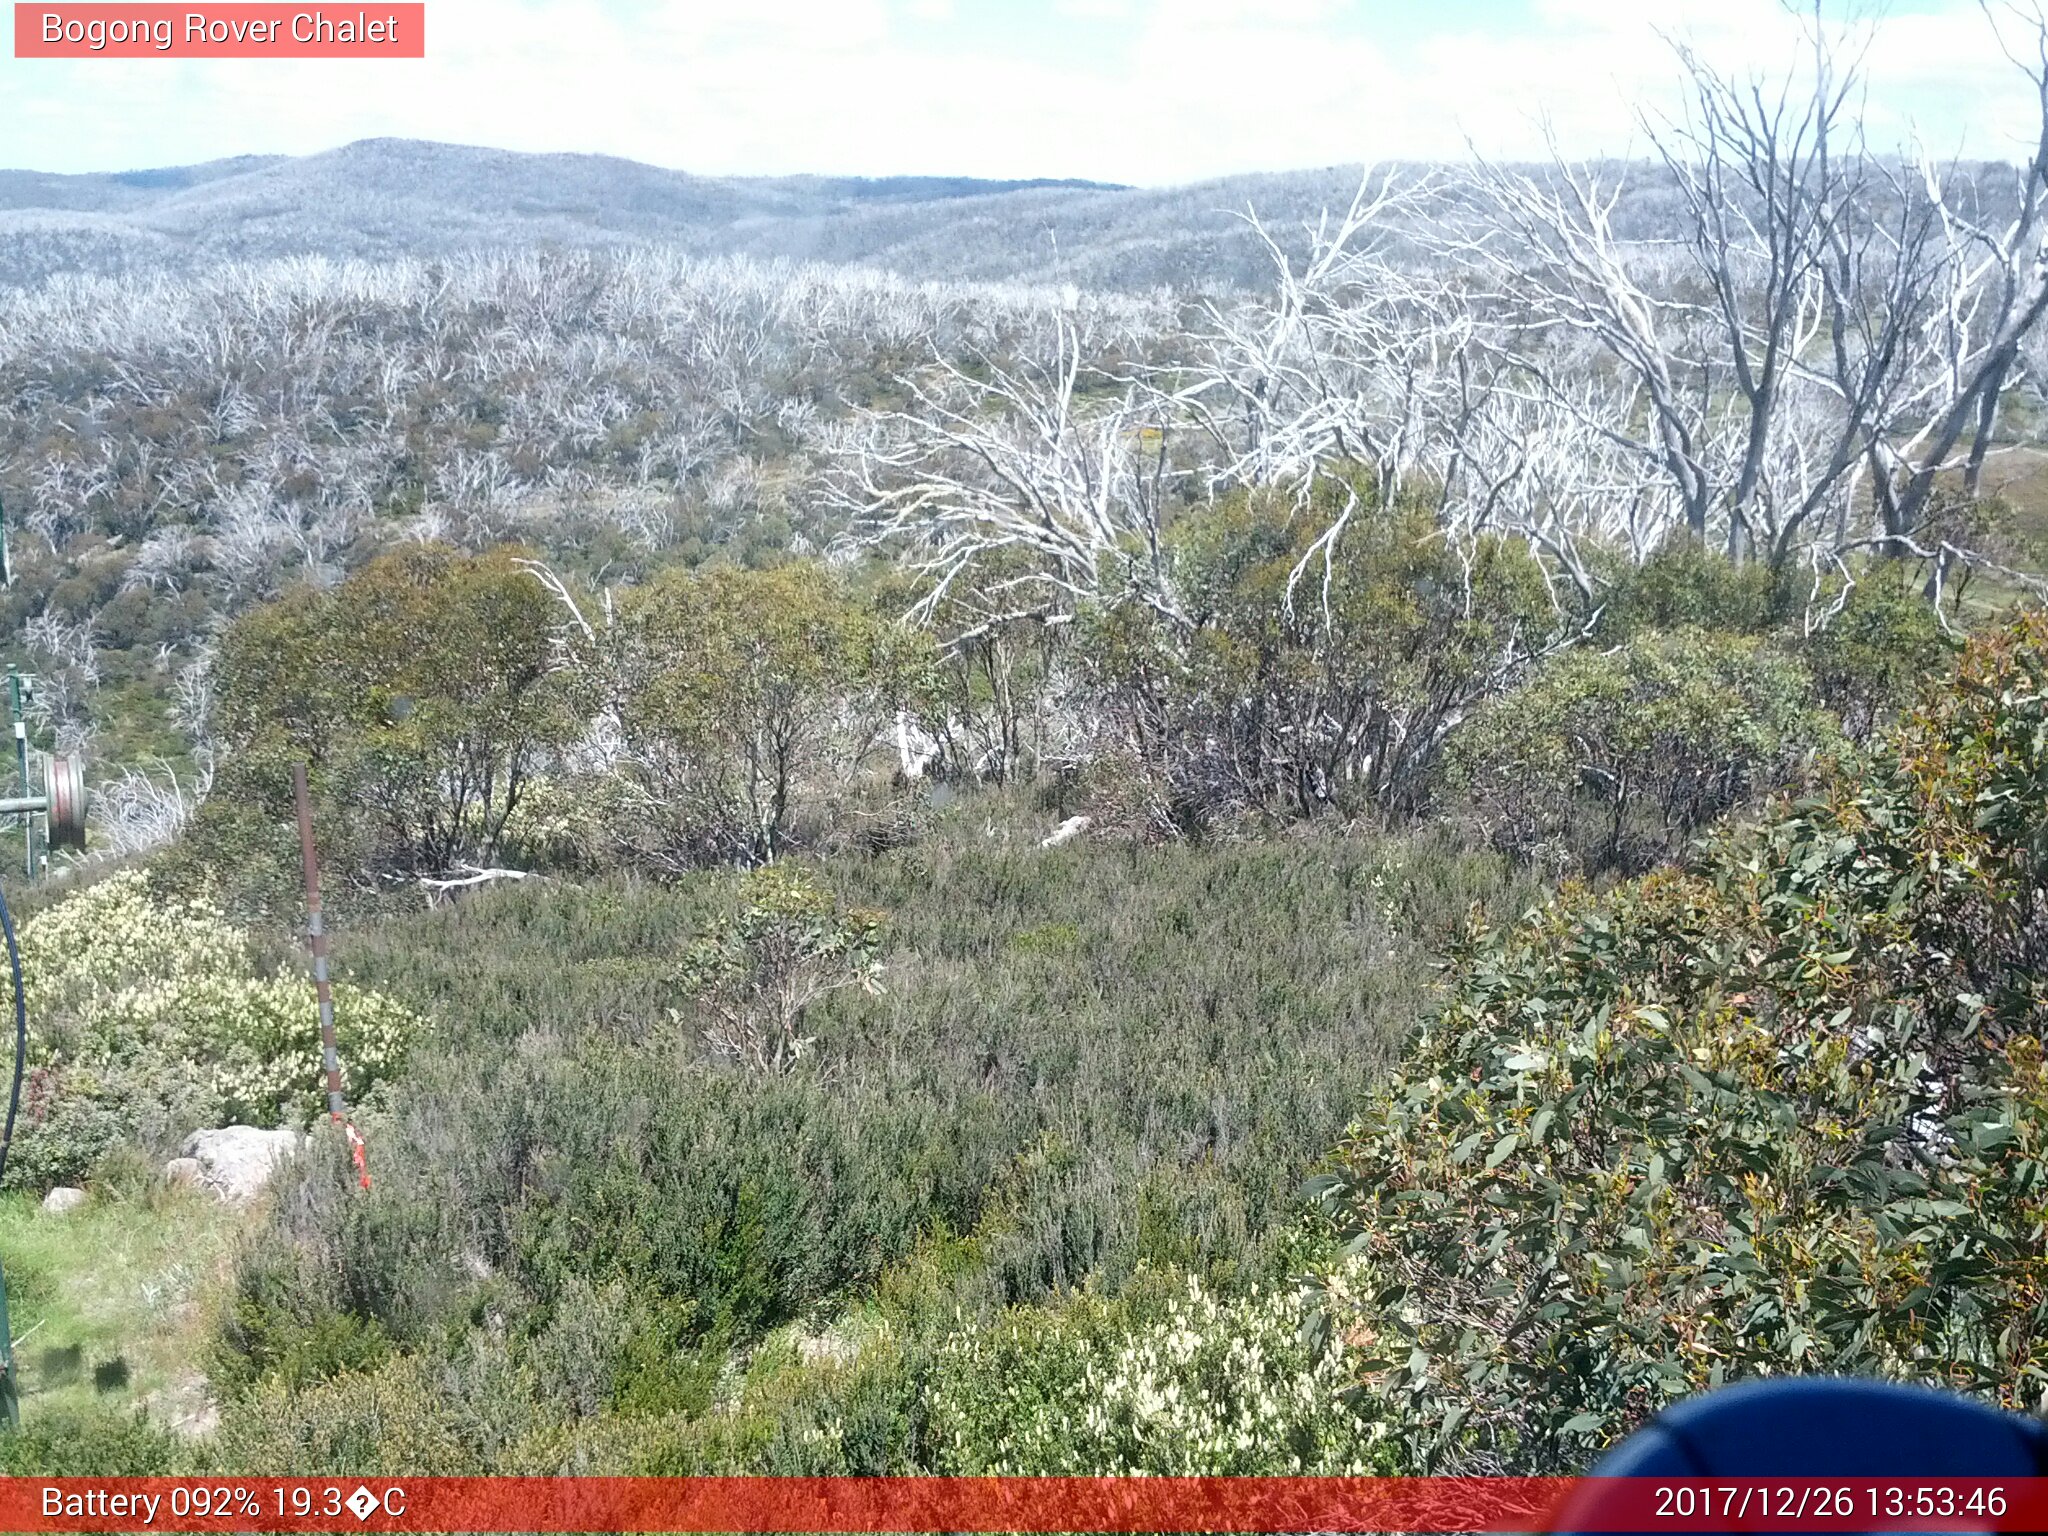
1034	487
1362	362
1331	365
1993	294
64	655
1838	336
145	808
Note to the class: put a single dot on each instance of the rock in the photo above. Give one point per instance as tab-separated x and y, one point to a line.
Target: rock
63	1200
1067	831
184	1173
236	1161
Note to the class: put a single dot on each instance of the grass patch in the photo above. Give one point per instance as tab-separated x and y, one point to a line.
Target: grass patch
111	1302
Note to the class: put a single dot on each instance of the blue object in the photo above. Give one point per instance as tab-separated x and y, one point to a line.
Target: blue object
1823	1426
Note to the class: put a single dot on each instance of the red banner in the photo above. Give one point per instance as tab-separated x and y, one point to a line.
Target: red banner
221	31
1051	1504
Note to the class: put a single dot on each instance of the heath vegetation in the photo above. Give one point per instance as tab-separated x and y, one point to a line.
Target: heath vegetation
1381	870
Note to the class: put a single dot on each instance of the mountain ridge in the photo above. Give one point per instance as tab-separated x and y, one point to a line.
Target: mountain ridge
382	198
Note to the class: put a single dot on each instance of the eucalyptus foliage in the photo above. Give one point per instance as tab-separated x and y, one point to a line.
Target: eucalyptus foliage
1785	1113
759	969
1620	756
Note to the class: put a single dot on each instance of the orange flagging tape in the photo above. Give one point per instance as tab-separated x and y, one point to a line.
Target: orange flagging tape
360	1153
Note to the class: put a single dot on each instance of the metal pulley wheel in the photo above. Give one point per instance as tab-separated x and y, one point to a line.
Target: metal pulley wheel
64	787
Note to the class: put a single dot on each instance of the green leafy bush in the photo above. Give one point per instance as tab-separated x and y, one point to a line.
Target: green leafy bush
1620	756
992	690
404	1417
759	971
1687	585
280	1332
1872	657
97	1442
147	1019
852	1413
425	694
1167	1379
1334	690
1785	1114
742	699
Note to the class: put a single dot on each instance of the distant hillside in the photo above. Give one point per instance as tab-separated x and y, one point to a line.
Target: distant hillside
391	197
384	197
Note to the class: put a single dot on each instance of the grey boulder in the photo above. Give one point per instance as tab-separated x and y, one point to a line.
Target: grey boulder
237	1161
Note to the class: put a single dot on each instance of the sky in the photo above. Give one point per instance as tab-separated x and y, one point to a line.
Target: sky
1153	92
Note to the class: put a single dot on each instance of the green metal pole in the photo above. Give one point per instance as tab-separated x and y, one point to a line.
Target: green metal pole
28	829
10	1395
28	826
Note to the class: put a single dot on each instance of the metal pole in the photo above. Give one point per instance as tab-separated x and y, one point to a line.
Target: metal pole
28	827
316	934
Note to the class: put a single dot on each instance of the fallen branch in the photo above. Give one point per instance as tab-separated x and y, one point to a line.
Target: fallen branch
476	876
1066	831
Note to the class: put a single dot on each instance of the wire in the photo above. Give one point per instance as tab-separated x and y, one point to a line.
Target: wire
20	1030
10	1389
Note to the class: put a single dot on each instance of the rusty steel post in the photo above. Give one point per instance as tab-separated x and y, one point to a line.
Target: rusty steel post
316	935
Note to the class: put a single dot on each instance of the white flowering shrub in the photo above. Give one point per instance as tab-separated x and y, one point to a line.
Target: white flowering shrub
1194	1385
147	1020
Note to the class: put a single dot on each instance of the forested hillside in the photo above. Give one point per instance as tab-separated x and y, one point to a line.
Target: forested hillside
389	197
380	200
1375	866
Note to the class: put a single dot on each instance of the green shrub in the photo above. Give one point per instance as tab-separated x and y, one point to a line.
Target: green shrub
861	1416
341	1279
1872	658
147	1020
1334	691
848	1402
1620	756
1686	585
399	1418
741	698
757	974
991	694
1786	1114
97	1442
285	1335
424	692
1178	1382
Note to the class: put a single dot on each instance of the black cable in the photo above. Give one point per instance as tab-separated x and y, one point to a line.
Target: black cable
20	1030
10	1391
